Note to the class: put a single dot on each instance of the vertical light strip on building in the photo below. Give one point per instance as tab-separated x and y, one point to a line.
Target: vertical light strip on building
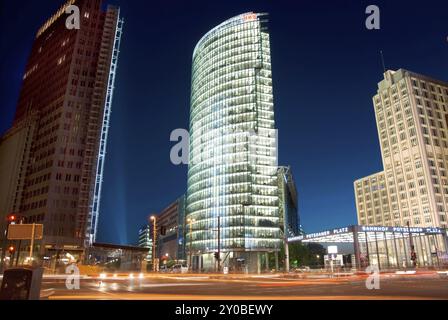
95	207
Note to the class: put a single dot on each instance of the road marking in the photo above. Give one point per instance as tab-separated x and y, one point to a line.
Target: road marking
154	285
61	276
185	278
105	292
135	296
300	283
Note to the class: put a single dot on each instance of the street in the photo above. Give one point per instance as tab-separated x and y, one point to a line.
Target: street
240	287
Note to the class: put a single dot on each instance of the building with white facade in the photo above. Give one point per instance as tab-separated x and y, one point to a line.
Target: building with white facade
411	113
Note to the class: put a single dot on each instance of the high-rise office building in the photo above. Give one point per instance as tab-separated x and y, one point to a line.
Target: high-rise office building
145	240
170	238
232	176
412	120
372	200
53	156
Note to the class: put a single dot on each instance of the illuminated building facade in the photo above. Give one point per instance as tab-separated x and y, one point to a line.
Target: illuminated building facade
412	120
386	247
61	122
232	175
145	240
170	239
372	197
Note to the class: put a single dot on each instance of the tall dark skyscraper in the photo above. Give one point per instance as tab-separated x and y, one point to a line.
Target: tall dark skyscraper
51	160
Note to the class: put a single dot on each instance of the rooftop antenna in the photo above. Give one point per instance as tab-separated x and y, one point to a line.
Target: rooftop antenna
382	61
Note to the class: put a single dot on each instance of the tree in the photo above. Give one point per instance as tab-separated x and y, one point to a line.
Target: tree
300	254
309	254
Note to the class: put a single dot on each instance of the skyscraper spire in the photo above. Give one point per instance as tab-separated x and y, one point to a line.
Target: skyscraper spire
382	61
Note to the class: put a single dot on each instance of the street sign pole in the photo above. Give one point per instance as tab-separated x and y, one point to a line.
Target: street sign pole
286	255
190	265
331	265
18	252
32	243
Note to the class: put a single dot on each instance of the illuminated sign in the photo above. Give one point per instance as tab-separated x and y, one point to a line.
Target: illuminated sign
317	234
374	229
406	229
332	249
428	230
250	17
298	238
340	230
347	230
321	234
433	230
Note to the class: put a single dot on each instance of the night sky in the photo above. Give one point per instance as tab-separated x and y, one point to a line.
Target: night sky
326	66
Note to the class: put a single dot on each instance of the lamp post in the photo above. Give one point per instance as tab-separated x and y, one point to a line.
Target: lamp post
190	222
154	239
218	252
219	243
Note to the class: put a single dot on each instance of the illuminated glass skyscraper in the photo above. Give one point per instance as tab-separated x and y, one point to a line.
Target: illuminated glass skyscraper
232	176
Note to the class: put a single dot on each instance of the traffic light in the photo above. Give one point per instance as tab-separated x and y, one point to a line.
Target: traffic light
216	255
11	250
12	218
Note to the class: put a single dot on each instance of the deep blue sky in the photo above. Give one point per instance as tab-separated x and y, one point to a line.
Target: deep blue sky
326	66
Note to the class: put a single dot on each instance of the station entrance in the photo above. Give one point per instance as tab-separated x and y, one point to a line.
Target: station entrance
388	247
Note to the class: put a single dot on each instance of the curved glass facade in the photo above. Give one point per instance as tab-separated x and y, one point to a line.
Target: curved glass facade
232	170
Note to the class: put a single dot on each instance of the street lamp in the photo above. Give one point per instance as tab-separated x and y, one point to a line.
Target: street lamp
190	222
219	243
154	239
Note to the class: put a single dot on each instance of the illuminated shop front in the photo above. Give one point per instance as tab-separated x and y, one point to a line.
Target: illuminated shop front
388	247
232	176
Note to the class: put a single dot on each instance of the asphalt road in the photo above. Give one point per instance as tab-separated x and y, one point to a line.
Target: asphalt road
206	287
